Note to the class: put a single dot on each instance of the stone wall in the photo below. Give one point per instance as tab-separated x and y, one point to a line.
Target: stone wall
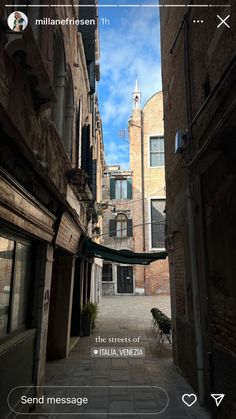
203	175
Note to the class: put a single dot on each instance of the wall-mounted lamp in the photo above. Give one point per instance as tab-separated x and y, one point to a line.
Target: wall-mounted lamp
180	138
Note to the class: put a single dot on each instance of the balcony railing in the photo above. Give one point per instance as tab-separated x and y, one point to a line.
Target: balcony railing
78	178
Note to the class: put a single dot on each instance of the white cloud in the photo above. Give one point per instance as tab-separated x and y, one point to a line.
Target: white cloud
129	50
117	153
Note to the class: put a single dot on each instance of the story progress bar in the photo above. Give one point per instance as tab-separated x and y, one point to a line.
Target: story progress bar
123	5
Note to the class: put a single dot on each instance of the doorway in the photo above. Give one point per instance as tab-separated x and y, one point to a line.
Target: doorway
125	280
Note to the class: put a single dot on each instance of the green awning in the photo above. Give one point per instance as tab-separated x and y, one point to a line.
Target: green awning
91	248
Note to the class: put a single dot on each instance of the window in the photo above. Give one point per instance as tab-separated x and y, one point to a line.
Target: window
157	151
120	227
158	223
6	266
68	111
79	136
15	272
107	272
121	188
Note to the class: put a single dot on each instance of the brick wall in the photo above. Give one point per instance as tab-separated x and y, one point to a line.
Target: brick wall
147	122
212	179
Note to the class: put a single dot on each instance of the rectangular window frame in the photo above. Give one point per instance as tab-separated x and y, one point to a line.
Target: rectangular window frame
122	197
153	198
160	135
17	240
122	229
109	280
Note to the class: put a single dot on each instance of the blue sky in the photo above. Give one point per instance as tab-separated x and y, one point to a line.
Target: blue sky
129	49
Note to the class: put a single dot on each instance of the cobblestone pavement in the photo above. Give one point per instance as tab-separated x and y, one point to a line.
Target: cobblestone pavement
130	317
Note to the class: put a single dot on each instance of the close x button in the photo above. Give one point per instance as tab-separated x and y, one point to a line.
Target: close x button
223	21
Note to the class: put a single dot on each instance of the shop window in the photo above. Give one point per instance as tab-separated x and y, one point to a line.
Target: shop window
107	272
121	188
157	151
6	270
158	223
15	273
20	296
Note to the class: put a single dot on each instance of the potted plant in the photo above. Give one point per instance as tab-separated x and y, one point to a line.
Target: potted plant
89	314
94	312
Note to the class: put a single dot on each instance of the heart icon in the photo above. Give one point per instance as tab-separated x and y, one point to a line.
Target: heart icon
189	399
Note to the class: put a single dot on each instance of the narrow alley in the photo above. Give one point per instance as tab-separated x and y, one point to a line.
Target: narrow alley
126	316
117	196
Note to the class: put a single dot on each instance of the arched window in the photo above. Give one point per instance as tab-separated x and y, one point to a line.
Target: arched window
121	225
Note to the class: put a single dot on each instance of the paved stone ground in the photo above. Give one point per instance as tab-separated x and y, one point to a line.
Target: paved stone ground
124	316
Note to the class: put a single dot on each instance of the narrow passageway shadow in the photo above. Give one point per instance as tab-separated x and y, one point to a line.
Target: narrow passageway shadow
129	384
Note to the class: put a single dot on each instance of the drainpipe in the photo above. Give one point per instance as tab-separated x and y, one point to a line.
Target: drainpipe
143	196
196	297
192	230
142	178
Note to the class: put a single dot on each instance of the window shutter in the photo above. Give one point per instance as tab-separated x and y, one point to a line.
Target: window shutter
129	188
129	228
94	178
112	188
79	136
86	148
112	228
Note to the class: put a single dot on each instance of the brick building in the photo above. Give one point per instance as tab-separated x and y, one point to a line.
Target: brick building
117	278
96	228
146	133
199	85
51	157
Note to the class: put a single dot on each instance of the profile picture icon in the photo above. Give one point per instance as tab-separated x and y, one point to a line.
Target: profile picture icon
17	21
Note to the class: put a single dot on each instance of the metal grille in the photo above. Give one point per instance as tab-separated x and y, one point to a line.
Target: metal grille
158	223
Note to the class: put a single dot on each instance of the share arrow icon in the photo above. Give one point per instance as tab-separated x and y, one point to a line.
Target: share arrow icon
218	398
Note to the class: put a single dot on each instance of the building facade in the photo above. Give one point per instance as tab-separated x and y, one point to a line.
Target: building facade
51	158
117	229
146	133
199	86
97	225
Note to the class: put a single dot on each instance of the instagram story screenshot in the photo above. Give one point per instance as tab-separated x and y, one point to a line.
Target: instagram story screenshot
118	209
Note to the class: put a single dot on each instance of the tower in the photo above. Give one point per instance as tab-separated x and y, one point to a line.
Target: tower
136	97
